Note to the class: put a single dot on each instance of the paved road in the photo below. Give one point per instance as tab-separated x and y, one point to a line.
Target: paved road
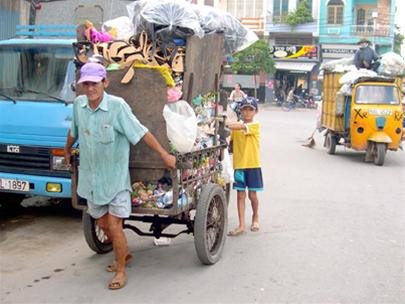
332	231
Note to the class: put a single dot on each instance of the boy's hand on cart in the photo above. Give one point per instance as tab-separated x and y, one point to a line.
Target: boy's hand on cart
221	118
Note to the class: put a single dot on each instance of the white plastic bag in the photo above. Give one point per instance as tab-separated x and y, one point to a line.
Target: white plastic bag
181	124
392	64
122	26
227	169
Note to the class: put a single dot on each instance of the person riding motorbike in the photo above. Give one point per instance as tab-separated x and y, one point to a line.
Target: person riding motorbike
235	99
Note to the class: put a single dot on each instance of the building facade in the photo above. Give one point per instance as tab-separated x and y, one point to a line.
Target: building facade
12	13
344	22
295	49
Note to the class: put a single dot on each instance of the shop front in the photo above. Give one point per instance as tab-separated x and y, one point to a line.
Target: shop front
296	68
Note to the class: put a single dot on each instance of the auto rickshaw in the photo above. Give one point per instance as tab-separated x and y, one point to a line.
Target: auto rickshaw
370	119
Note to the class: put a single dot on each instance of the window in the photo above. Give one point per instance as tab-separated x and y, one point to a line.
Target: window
335	12
246	8
209	2
361	17
309	5
48	69
373	94
280	8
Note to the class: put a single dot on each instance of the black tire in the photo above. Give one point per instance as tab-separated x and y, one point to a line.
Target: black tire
210	223
380	151
10	203
95	237
330	143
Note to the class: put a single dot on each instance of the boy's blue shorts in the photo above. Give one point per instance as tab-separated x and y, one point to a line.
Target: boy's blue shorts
248	178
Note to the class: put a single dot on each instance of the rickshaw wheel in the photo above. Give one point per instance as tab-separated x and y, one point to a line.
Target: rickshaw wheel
380	151
94	235
211	220
330	143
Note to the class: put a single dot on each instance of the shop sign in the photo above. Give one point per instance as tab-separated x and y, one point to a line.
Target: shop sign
338	51
294	51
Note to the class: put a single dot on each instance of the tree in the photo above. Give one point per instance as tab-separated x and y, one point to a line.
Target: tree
398	40
254	59
301	15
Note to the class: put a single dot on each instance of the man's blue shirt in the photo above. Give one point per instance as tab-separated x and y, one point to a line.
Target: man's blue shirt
104	135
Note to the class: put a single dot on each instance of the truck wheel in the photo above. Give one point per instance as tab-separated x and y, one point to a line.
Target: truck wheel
210	222
380	151
94	235
330	143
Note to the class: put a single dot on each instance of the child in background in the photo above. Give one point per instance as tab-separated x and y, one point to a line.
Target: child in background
245	137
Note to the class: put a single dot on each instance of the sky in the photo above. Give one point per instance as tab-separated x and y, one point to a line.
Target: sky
400	4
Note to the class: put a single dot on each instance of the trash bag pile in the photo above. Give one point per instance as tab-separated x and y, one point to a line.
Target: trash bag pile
391	65
154	36
173	19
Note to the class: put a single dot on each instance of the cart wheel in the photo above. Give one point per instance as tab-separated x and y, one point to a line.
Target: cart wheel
380	151
211	220
330	143
94	235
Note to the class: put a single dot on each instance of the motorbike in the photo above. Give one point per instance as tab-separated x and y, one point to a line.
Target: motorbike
309	101
297	102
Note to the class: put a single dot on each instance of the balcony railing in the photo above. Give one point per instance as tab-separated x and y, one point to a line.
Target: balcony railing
370	30
255	24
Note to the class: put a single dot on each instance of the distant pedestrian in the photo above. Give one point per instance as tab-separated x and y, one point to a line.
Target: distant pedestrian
245	138
291	96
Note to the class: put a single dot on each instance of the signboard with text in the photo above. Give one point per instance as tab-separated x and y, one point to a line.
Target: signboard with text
337	51
294	51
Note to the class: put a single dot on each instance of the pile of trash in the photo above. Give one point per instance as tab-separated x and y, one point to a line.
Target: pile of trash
391	65
154	36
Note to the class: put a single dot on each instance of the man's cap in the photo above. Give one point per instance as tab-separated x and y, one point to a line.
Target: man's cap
93	72
249	102
362	40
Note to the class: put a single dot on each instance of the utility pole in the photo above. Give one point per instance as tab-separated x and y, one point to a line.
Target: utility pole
35	5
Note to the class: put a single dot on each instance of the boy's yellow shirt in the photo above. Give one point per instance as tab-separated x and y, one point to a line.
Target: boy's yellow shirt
246	146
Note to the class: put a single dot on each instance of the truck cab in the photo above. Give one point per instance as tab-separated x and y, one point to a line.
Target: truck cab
36	95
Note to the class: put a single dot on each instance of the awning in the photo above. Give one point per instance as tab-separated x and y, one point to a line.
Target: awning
295	66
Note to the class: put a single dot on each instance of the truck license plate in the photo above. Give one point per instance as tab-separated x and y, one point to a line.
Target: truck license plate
14	184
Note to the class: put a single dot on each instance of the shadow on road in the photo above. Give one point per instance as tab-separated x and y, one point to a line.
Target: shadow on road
18	215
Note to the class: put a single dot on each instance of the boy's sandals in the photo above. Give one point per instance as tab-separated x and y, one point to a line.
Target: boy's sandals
117	283
255	227
113	266
236	232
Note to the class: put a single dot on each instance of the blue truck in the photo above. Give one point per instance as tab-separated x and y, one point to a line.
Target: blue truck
37	75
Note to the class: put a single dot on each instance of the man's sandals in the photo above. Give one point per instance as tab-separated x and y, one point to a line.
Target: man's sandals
113	266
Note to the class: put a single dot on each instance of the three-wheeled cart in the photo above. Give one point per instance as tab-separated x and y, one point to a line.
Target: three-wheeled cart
199	200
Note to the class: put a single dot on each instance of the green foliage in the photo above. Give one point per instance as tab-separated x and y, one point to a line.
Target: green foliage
254	59
398	40
301	15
